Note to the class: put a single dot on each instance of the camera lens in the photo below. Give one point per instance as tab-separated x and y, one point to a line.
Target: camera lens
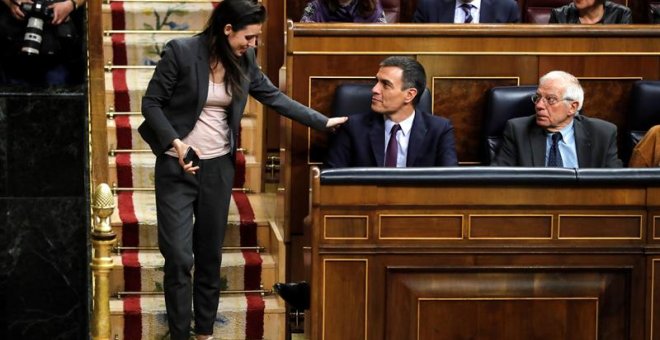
33	36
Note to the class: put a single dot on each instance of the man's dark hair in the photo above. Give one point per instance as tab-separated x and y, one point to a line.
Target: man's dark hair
413	74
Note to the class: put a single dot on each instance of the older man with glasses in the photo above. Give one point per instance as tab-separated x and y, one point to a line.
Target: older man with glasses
557	135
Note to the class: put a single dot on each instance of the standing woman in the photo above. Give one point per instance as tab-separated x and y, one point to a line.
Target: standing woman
195	100
591	12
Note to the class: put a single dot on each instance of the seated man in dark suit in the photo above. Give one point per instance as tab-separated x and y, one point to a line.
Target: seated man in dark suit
394	133
557	135
366	140
467	11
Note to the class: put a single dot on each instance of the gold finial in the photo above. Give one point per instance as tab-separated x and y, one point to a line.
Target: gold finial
103	205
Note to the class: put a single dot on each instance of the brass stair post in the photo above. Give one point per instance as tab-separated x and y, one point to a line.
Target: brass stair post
103	241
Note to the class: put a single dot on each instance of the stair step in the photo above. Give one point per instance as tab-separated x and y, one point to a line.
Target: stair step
146	315
127	126
136	49
170	16
143	167
146	235
124	88
147	267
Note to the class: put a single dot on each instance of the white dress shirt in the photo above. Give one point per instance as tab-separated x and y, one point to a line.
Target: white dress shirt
459	14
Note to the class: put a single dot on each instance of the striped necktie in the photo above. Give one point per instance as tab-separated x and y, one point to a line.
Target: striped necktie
468	13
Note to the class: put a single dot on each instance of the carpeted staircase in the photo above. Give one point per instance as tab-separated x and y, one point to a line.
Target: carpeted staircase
135	32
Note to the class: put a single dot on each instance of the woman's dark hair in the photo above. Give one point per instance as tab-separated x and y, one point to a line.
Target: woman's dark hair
365	8
238	14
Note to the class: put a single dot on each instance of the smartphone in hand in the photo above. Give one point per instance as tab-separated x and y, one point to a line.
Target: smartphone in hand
191	156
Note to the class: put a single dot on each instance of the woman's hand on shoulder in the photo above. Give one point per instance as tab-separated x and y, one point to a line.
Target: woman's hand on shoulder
335	122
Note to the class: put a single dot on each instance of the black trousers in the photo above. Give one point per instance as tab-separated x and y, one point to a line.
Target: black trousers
185	241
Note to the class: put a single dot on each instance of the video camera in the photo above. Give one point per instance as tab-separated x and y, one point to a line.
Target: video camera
36	12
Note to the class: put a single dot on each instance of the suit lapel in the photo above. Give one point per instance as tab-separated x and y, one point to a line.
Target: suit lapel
537	140
202	68
377	138
582	143
446	12
485	12
416	140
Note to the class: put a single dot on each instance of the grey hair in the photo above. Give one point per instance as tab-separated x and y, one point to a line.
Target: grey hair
572	88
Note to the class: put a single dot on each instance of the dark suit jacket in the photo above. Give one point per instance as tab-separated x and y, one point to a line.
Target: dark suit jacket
524	143
491	11
614	14
178	91
360	142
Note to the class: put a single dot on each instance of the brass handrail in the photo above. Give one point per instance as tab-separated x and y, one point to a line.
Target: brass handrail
262	292
116	189
103	240
118	249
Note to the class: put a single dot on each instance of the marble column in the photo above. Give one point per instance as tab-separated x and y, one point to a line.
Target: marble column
44	215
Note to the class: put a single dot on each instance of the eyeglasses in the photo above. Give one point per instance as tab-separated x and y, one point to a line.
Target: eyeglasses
536	98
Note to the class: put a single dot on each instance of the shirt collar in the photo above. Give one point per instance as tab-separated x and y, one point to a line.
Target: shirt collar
566	132
406	124
475	3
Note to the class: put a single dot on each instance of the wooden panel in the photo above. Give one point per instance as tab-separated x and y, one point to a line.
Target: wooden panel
600	226
604	65
346	227
522	67
349	195
533	318
515	195
653	197
507	303
656	227
345	317
462	100
421	227
461	42
510	226
654	316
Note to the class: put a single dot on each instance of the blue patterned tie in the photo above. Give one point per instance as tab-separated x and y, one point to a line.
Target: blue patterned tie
468	14
554	156
392	147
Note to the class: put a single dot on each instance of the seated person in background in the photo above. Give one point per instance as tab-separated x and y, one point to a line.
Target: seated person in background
557	135
591	12
363	11
647	152
467	11
394	134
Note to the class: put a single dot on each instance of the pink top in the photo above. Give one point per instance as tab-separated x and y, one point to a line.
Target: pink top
211	132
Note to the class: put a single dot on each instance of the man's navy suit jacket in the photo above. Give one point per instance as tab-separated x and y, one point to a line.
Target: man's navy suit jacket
360	142
491	11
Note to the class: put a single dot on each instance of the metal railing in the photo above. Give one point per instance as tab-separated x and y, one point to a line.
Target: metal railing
103	241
